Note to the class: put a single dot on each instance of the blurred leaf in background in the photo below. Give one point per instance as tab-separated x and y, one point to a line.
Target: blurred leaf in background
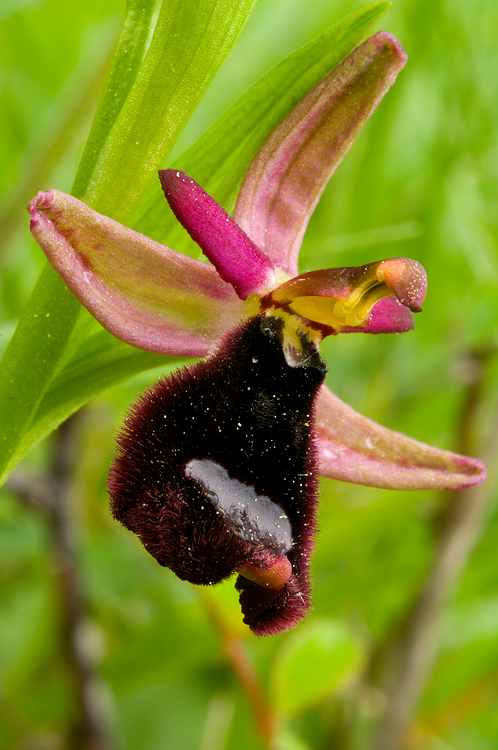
173	667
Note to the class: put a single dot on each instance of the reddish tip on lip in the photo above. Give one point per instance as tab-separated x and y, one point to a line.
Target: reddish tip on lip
272	577
407	279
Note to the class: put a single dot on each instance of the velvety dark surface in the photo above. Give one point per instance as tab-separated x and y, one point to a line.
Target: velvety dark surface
250	412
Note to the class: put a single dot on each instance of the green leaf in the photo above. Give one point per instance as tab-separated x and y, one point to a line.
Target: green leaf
127	59
31	358
220	158
190	40
313	662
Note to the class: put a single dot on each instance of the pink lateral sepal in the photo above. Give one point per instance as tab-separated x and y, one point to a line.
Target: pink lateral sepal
142	292
355	449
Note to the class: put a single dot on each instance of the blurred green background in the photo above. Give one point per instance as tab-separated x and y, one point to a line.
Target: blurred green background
421	181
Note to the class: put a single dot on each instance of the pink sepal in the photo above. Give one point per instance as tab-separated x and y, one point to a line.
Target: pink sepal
354	449
142	292
290	172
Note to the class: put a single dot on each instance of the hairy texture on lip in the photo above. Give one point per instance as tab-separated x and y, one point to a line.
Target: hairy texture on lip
246	410
263	608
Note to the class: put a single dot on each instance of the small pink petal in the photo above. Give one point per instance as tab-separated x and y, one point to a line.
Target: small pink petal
142	292
289	174
354	449
387	316
236	258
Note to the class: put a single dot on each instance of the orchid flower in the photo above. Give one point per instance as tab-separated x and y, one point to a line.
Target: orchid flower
217	465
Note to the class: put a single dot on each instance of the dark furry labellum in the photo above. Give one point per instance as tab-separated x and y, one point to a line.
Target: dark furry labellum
216	472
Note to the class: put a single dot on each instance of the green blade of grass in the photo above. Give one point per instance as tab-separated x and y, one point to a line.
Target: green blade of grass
189	42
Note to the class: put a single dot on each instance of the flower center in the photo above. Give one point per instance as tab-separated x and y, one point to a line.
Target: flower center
338	314
335	299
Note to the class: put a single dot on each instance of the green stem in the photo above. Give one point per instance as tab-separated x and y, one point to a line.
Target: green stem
32	357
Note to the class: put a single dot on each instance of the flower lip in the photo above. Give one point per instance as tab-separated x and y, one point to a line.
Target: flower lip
239	421
343	298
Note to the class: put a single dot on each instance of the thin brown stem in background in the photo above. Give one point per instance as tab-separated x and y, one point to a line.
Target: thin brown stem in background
50	494
246	674
414	653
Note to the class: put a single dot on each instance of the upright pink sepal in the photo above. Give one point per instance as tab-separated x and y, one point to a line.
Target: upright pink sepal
142	292
289	174
354	449
236	258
